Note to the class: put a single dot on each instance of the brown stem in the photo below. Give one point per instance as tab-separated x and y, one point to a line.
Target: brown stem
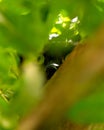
69	84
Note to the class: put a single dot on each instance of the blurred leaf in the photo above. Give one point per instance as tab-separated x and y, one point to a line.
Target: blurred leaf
25	27
90	109
28	89
8	66
8	122
22	26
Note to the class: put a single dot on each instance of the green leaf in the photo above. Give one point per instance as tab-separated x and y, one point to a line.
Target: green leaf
90	109
22	26
8	65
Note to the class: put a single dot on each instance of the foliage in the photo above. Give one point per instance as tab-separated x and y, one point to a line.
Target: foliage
25	30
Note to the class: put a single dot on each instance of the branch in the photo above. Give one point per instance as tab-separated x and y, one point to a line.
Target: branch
69	84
